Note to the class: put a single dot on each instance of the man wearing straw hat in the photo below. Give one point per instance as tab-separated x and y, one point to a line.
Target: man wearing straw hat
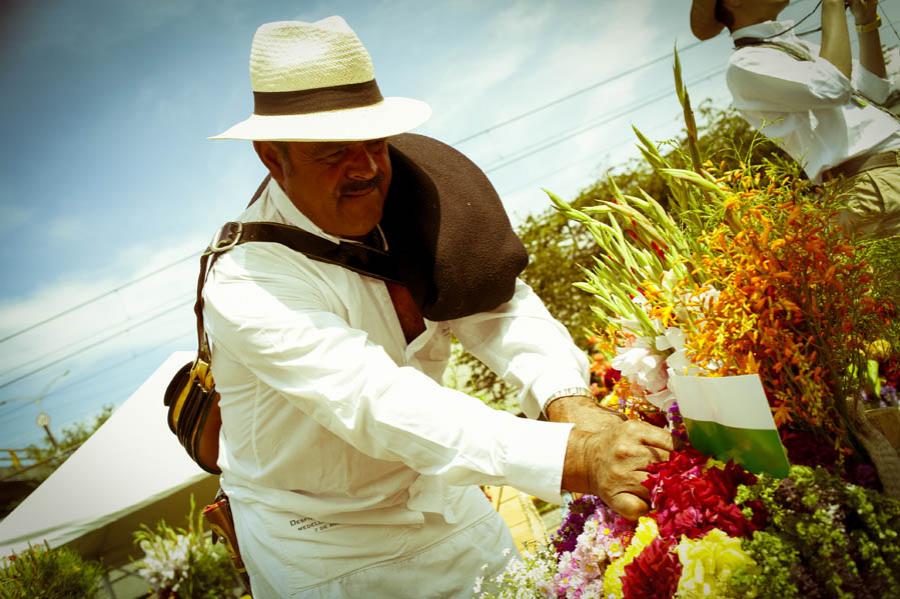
824	108
351	471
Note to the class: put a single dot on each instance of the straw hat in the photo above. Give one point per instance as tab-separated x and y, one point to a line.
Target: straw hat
703	19
315	82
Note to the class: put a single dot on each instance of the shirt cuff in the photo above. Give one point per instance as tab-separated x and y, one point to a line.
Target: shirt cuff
534	453
554	378
871	85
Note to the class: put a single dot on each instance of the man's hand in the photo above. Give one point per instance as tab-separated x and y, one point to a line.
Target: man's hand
611	463
864	11
583	412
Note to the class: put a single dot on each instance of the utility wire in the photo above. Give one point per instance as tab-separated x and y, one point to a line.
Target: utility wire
96	343
577	92
171	304
98	297
493	127
553	141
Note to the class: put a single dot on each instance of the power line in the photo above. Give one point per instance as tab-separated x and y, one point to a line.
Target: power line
134	356
95	344
526	152
549	142
493	127
170	303
577	92
99	297
570	165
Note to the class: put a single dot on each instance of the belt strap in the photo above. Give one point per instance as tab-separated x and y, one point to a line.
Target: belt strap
861	164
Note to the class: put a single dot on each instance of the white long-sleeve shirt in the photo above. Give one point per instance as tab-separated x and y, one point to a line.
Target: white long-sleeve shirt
808	106
330	417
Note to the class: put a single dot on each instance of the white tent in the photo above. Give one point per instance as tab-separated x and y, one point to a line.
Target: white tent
132	471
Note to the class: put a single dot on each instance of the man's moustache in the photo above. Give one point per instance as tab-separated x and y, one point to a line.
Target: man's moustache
360	186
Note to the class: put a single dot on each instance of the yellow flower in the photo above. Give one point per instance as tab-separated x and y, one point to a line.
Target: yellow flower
709	562
644	534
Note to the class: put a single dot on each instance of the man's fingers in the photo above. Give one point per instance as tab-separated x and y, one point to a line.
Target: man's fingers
653	435
656	455
627	481
628	505
638	457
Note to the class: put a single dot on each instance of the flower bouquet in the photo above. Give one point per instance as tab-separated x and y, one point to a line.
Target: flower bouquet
741	308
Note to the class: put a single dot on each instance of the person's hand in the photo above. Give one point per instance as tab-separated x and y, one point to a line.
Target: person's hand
583	412
611	464
864	11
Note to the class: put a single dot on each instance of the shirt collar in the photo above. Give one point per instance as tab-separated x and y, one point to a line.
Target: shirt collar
767	29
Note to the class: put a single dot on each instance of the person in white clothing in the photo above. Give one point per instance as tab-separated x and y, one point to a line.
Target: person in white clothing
351	471
822	106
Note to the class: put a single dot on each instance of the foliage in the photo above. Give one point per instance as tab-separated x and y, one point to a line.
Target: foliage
69	439
557	248
839	538
746	272
42	572
184	562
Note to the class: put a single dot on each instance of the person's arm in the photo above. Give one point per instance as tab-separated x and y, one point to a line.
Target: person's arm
526	346
606	455
771	80
871	57
836	37
277	315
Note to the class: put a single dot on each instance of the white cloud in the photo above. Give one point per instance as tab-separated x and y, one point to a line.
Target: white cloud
65	229
119	315
13	215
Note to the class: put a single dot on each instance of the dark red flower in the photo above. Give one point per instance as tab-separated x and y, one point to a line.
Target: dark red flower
611	377
807	448
689	499
654	573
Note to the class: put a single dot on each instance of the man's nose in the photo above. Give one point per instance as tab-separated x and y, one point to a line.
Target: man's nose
362	165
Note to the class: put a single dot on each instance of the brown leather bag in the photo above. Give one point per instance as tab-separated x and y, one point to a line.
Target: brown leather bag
194	414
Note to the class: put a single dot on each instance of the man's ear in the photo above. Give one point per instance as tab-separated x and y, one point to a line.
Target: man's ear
272	158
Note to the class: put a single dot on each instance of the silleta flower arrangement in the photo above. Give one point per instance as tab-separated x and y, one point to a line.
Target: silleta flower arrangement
746	277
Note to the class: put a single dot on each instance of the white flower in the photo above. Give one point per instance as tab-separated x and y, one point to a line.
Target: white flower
641	365
672	338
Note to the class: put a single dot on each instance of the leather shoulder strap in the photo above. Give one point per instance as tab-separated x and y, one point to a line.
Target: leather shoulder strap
359	258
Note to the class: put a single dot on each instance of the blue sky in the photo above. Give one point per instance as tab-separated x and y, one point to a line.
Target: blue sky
106	174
